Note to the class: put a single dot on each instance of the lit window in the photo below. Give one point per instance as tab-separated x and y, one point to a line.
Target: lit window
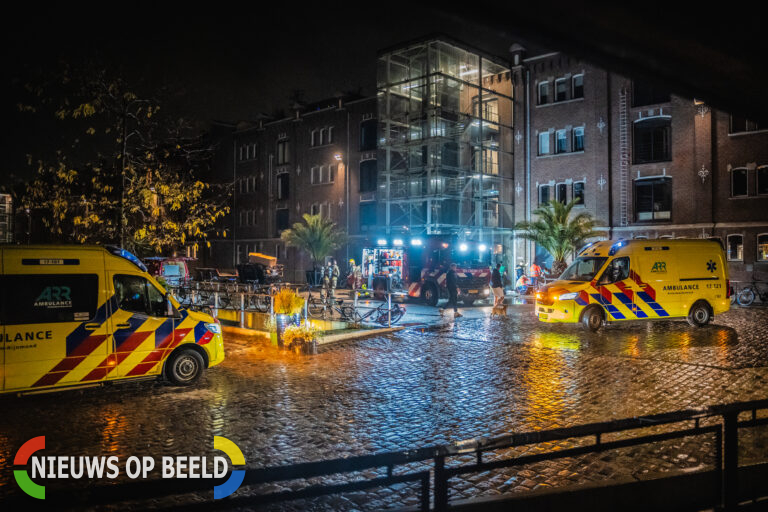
543	93
561	90
544	143
738	182
578	192
282	152
561	142
762	247
735	247
577	86
653	199
562	192
578	139
543	194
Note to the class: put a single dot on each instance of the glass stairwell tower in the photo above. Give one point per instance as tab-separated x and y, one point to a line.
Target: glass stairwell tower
445	147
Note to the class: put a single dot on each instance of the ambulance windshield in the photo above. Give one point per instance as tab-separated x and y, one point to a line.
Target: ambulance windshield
583	269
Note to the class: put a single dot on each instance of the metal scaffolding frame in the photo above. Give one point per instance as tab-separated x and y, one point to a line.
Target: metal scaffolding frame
445	149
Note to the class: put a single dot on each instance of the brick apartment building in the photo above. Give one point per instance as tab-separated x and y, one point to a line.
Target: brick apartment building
646	163
320	160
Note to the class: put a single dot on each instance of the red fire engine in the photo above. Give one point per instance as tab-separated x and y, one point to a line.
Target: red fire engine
418	267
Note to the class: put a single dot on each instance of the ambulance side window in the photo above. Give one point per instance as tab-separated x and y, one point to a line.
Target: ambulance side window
137	295
48	298
617	270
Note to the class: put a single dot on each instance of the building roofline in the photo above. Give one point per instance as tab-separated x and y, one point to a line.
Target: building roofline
440	36
541	56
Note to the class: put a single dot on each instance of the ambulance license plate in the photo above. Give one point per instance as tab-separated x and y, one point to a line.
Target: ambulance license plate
474	291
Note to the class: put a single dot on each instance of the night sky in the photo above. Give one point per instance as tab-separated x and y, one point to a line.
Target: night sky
227	66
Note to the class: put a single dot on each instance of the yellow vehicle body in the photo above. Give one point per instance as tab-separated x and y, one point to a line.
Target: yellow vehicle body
640	280
78	315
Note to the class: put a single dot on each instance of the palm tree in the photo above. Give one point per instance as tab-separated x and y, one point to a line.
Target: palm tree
559	232
317	236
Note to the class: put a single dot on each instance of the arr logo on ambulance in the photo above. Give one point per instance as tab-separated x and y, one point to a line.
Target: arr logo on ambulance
96	468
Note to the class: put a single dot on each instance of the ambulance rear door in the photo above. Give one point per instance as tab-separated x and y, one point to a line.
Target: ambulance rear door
54	314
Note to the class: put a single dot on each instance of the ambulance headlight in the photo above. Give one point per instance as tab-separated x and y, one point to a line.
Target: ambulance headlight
568	296
214	328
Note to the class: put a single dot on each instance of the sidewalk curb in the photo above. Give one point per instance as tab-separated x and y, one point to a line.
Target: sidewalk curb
321	340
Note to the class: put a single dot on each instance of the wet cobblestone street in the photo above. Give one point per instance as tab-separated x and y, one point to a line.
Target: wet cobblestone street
476	377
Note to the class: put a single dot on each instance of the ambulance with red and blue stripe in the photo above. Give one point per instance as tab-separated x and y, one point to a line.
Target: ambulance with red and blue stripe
621	280
78	316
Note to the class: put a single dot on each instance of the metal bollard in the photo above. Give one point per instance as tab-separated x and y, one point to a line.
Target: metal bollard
389	309
215	304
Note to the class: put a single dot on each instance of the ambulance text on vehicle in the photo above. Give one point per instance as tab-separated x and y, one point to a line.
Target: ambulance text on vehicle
77	316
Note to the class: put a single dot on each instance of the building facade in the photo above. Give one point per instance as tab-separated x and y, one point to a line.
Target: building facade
6	218
322	160
461	143
646	163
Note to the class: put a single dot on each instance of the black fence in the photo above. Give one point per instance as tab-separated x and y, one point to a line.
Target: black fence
726	485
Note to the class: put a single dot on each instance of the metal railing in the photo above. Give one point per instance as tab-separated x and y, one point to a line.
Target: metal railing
432	468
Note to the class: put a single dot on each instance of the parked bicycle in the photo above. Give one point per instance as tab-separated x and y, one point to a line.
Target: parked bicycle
323	306
752	290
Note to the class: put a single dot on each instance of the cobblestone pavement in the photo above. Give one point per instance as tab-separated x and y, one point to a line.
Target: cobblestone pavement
475	377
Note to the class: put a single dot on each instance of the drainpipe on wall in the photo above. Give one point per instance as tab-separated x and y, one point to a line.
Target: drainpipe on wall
234	203
528	245
346	176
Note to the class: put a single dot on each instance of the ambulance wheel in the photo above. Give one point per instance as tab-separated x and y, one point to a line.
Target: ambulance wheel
429	294
592	318
184	367
700	314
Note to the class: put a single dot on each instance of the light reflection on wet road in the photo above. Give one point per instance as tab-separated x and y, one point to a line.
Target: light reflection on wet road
475	377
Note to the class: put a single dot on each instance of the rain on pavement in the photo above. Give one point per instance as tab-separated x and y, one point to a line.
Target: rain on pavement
475	377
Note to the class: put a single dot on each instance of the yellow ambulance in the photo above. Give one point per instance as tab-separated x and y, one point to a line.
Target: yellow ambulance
74	316
614	281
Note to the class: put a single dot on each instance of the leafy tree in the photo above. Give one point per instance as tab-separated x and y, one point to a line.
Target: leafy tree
125	172
318	236
558	231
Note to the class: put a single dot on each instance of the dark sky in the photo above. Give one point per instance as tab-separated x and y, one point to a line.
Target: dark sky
229	65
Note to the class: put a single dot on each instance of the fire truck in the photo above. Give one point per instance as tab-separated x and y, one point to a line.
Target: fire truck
418	267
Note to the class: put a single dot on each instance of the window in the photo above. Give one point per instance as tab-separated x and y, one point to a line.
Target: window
762	247
42	299
561	90
740	124
543	194
543	93
368	175
617	270
313	138
137	295
652	140
578	139
314	209
282	152
282	186
762	180
281	219
577	86
544	143
368	134
648	94
578	193
735	247
562	192
653	199
738	182
367	215
561	142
